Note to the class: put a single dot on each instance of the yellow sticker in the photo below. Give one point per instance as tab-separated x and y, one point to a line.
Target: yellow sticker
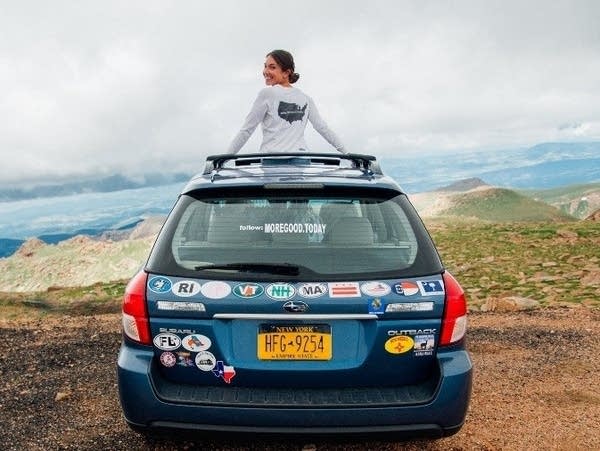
399	344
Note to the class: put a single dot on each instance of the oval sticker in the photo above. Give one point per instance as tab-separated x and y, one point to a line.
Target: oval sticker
312	290
375	288
399	344
196	342
186	288
159	284
167	341
281	291
215	289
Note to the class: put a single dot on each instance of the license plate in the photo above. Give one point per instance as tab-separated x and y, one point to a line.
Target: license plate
294	342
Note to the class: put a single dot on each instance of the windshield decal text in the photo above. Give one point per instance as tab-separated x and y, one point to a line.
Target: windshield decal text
282	227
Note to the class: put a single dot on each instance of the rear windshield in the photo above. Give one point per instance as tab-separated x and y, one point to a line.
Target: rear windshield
299	237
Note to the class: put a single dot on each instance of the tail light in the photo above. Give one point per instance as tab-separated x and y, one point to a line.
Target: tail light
135	313
454	322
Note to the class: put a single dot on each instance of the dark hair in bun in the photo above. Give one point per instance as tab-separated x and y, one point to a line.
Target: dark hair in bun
286	62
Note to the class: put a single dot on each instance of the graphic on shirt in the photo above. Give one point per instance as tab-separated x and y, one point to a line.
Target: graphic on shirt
291	111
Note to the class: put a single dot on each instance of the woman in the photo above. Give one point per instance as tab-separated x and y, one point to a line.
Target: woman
283	111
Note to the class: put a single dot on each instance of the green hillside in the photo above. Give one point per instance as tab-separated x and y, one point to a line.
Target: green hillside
577	200
503	205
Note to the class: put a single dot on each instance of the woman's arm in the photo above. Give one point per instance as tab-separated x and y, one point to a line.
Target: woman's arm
255	117
321	126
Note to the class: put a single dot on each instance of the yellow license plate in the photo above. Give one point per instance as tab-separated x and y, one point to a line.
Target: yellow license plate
294	342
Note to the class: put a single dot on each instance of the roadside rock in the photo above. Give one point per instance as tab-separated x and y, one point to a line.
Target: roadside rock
563	233
509	304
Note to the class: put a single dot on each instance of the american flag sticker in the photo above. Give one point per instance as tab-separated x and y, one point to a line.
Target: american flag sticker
344	290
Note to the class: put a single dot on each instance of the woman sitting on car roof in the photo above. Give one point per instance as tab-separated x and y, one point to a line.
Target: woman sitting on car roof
283	111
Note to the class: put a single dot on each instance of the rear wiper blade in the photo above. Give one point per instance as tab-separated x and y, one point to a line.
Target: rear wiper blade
272	268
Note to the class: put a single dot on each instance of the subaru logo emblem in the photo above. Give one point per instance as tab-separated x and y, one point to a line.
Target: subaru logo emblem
295	307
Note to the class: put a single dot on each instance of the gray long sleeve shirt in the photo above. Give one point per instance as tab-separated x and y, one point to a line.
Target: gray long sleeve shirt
283	113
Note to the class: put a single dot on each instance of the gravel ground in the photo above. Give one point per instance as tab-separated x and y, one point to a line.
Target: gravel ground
536	386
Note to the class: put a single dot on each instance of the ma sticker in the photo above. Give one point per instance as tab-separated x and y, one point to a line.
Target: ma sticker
399	344
312	290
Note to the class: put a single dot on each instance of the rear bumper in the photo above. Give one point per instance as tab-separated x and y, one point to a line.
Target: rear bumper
435	408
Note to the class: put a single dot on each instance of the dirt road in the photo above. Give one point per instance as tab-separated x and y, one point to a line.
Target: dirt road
536	386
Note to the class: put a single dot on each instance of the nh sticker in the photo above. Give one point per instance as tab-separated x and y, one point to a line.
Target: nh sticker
281	291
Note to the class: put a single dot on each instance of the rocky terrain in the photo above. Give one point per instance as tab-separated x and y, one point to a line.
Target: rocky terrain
535	387
79	261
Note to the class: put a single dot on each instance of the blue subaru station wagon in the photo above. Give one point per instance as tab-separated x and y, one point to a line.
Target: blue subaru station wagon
294	294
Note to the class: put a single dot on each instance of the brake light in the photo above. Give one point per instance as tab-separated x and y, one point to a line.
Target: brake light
454	322
135	313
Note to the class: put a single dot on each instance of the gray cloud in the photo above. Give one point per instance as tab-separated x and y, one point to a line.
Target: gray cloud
106	86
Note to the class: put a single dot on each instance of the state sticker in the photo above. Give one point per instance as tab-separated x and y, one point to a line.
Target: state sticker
399	344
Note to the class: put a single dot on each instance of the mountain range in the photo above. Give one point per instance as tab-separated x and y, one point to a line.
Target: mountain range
554	181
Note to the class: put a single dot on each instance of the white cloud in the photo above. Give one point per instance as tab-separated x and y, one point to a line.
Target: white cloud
140	86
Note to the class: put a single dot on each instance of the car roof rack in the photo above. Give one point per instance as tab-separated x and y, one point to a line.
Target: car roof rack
366	163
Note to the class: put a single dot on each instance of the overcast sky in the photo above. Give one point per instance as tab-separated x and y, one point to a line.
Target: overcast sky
112	86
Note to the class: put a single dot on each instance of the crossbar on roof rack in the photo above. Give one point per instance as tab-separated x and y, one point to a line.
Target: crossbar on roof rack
366	163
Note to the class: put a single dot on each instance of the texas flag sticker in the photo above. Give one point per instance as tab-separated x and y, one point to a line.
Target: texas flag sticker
224	371
431	287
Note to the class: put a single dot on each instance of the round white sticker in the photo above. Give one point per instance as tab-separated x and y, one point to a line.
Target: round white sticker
206	361
168	359
215	290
